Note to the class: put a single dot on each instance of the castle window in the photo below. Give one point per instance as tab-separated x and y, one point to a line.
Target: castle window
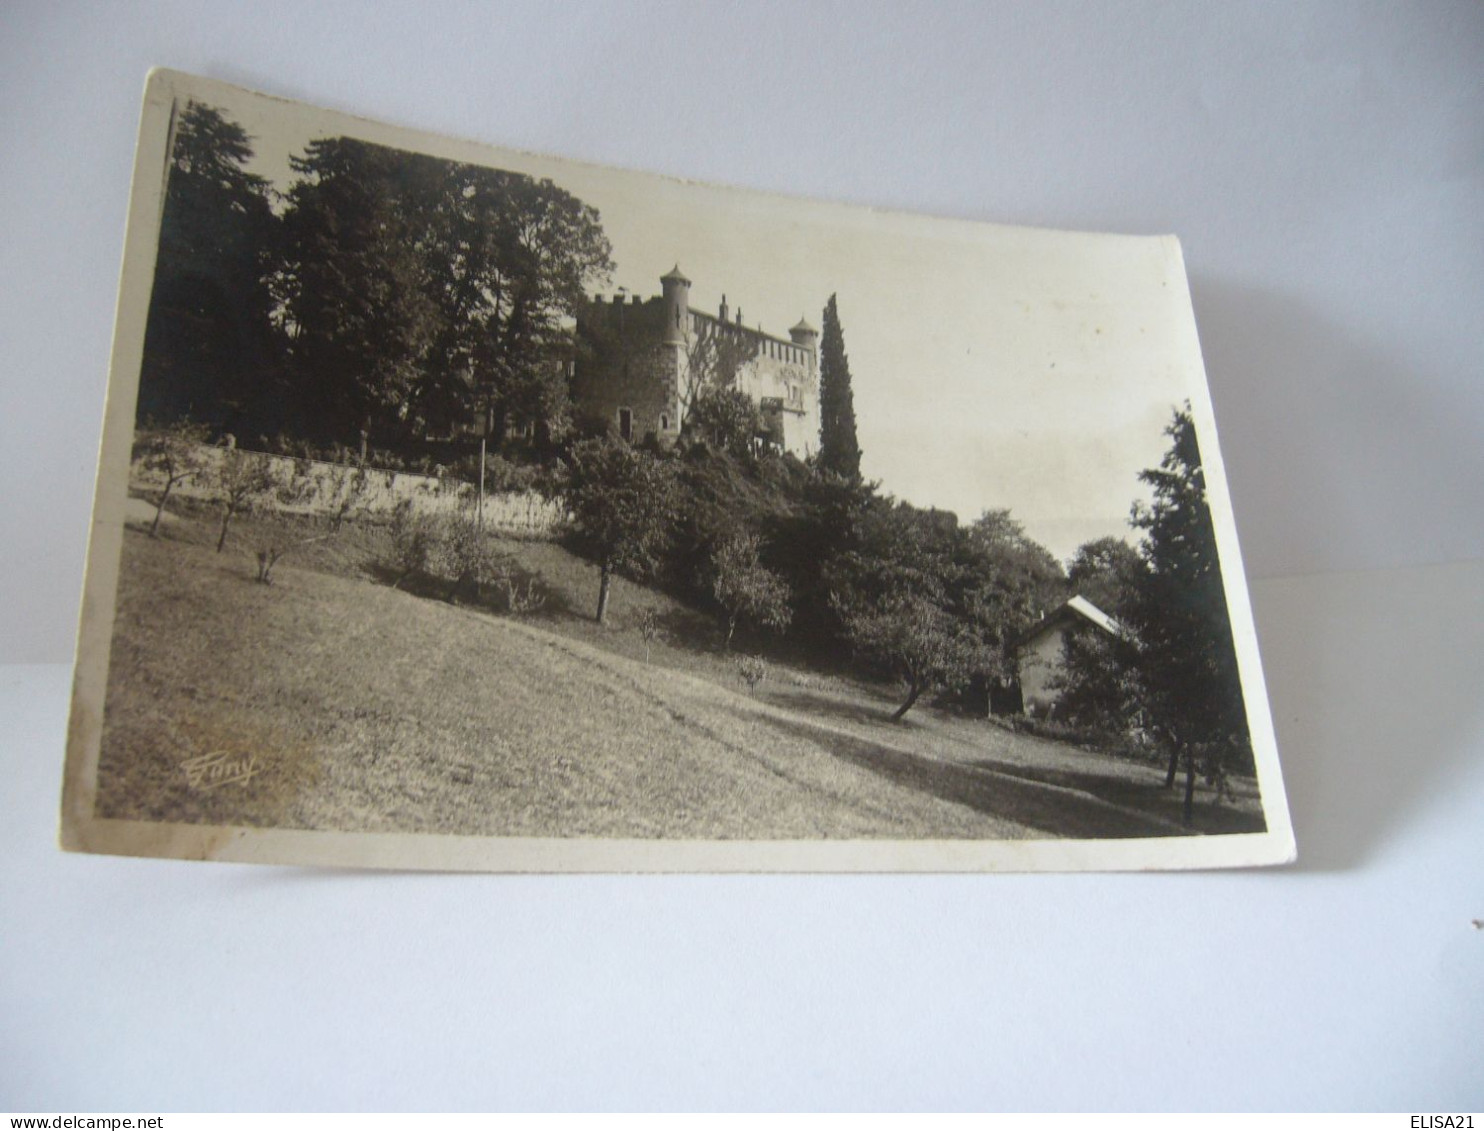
626	423
664	422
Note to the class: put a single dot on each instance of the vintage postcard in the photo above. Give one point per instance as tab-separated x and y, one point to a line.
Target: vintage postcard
468	509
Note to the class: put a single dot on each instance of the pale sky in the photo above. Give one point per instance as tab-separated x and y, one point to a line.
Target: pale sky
991	366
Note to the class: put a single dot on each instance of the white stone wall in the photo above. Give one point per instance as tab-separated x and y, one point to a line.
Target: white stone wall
313	487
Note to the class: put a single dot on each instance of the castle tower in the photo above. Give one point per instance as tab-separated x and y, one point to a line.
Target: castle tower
677	306
806	337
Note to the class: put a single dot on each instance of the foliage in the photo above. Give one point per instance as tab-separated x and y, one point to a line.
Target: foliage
418	290
210	349
275	550
1104	571
839	451
811	532
1097	683
919	641
1187	659
465	556
525	597
752	669
1011	582
649	630
351	484
727	419
714	358
172	451
620	499
412	536
745	589
987	582
897	598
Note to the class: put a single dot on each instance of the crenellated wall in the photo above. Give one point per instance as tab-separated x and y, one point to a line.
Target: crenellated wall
633	365
781	376
623	363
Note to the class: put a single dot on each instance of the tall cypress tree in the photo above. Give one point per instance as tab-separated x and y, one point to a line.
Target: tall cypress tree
838	450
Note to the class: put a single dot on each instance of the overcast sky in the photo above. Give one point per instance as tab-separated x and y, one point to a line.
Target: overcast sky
992	366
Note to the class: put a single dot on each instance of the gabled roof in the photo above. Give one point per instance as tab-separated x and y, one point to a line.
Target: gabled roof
1074	607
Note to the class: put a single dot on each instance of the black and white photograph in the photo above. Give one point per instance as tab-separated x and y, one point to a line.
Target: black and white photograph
462	508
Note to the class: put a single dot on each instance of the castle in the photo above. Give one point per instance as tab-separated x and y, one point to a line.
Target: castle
640	364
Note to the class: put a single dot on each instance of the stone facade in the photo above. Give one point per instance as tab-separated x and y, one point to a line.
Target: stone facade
640	362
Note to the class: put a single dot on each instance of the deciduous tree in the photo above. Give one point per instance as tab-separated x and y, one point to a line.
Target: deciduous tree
173	452
420	291
1105	572
240	481
1009	581
895	597
919	641
620	499
725	418
745	589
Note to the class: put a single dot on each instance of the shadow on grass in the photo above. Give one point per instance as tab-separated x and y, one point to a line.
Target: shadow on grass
489	598
1058	809
688	630
1155	799
809	703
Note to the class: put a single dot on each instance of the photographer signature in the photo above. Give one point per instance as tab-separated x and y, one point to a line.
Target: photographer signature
219	767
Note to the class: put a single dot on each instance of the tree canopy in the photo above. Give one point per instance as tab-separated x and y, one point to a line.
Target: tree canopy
728	419
620	499
899	594
1105	572
419	291
209	345
1186	657
745	589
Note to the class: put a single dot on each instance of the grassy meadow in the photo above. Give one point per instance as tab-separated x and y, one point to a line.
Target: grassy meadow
369	707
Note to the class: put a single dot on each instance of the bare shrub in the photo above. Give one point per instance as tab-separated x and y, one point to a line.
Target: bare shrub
522	599
413	538
172	451
466	556
752	669
242	479
270	555
649	629
351	486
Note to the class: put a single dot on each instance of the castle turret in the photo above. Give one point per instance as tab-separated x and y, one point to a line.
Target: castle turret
805	336
677	305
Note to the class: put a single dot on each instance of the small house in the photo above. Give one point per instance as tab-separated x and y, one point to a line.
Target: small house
1040	650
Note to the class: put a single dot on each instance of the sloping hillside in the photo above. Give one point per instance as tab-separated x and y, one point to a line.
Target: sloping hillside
368	708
